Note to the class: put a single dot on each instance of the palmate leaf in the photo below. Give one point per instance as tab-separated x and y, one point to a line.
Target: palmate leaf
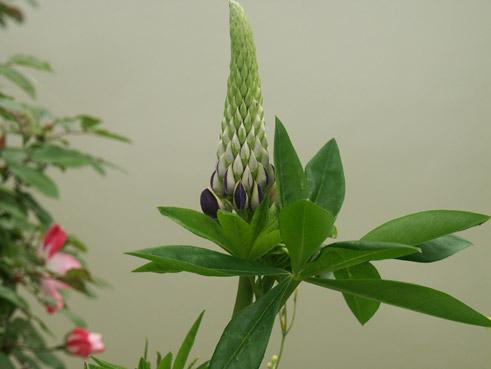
244	340
417	228
170	259
409	296
325	178
304	226
345	254
290	177
363	309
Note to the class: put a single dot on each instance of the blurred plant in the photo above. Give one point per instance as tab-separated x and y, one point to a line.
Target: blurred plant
274	242
169	361
32	142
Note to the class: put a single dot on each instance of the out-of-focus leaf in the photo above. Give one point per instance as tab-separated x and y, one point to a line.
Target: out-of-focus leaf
5	362
18	79
57	155
12	297
111	135
106	365
30	61
13	155
74	318
41	213
36	179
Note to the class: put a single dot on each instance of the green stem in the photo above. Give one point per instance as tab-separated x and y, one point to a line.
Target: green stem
244	294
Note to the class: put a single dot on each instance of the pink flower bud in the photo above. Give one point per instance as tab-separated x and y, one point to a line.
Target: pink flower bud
83	343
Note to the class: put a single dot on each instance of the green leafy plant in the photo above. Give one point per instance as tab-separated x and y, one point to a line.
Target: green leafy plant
37	256
276	226
169	361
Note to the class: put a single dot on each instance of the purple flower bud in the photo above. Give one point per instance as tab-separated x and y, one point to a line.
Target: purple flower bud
209	203
240	196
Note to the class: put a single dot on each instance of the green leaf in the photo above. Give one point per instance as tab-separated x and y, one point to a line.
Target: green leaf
101	132
205	365
304	226
345	254
5	362
197	223
13	155
289	172
31	62
18	79
57	155
438	249
105	364
246	337
12	297
362	308
41	213
166	362
237	231
264	243
187	345
36	179
325	178
203	261
409	296
74	318
50	360
417	228
260	218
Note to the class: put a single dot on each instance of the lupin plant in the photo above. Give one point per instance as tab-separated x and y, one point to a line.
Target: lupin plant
275	224
38	258
243	173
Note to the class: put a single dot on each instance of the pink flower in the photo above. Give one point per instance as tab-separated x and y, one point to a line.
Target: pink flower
58	263
81	342
51	288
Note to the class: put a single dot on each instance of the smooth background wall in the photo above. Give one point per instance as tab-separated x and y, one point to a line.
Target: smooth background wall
405	88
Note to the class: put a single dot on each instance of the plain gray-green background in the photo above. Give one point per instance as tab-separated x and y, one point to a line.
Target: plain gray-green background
404	86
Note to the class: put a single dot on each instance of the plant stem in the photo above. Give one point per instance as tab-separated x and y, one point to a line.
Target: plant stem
244	294
285	327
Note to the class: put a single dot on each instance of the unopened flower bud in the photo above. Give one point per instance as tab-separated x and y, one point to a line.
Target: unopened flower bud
240	197
242	154
210	203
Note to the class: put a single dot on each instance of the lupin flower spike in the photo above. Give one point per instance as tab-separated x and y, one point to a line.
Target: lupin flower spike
243	172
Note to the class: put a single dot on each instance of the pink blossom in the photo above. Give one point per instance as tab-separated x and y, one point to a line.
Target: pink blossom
81	342
56	262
